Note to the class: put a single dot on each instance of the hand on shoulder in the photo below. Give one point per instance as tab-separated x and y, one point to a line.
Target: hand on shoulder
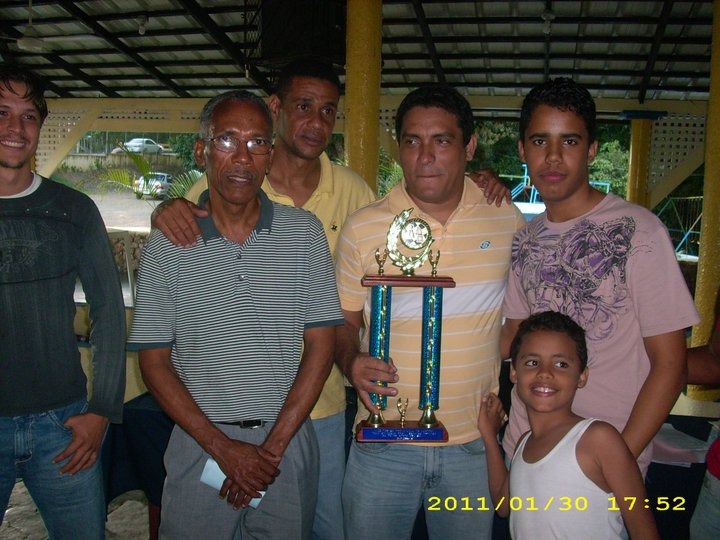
176	219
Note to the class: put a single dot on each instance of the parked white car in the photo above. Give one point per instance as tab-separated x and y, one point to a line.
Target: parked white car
143	146
154	185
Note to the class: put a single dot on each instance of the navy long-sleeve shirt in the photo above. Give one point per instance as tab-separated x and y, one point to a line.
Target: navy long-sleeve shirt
47	240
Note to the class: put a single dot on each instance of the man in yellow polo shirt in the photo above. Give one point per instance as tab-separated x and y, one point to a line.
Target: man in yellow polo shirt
387	483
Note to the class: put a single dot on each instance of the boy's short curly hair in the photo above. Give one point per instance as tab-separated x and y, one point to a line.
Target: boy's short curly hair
551	321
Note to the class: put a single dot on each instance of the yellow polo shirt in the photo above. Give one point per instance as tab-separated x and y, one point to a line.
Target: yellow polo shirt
475	247
340	192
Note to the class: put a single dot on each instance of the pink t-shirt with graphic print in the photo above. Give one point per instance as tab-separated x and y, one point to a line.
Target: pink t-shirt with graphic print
613	270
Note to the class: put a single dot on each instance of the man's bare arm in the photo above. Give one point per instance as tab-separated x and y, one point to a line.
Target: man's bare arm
667	377
249	468
704	362
703	365
314	369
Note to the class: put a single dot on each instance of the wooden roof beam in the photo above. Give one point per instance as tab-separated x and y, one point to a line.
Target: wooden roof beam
429	42
230	48
652	57
99	30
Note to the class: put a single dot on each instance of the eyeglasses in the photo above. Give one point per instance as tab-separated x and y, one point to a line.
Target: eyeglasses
228	143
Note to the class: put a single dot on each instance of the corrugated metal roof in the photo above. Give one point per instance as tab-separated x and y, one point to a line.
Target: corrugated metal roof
635	50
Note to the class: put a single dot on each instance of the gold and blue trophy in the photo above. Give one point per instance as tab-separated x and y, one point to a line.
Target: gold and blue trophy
414	235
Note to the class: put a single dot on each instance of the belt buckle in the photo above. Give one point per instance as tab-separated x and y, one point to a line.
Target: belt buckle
251	424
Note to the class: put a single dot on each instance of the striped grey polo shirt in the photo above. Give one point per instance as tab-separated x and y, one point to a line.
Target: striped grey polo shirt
234	314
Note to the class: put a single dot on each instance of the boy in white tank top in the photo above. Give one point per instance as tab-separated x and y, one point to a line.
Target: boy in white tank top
570	477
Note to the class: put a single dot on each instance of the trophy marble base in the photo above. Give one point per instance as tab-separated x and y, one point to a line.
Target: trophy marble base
391	431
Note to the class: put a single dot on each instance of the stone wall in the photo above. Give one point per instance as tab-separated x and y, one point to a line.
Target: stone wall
91	162
136	240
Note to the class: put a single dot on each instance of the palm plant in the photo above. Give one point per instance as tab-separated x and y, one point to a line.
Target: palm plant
125	178
182	183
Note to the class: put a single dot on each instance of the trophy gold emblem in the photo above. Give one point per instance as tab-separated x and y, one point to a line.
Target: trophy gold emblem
408	247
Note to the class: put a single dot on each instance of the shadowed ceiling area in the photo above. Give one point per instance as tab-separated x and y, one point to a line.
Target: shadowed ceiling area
636	50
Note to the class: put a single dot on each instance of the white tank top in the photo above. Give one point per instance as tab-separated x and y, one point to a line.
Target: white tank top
553	498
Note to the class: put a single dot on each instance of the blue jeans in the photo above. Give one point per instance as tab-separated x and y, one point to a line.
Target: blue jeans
386	484
72	507
330	432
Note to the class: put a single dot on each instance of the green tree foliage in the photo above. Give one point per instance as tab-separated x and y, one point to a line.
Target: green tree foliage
614	131
183	144
389	173
124	178
336	149
497	148
94	142
611	165
613	157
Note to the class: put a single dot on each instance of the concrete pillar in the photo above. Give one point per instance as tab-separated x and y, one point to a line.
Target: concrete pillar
640	133
362	87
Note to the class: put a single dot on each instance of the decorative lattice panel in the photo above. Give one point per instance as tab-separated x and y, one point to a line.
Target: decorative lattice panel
149	114
674	137
387	119
71	119
56	128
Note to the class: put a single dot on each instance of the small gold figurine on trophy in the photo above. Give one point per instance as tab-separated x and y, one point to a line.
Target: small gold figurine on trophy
402	409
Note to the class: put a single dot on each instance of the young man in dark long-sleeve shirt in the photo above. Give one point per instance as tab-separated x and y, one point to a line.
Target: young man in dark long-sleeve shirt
50	430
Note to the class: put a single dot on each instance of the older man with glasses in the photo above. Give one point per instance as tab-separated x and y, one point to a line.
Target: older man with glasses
304	107
236	338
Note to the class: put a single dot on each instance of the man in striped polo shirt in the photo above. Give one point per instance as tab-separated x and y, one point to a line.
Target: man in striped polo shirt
304	107
386	484
236	338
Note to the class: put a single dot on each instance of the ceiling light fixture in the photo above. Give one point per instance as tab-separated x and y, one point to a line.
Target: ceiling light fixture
143	25
548	17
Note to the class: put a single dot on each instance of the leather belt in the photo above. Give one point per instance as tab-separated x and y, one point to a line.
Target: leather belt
245	424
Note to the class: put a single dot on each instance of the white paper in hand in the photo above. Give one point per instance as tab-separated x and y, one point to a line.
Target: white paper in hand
213	476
